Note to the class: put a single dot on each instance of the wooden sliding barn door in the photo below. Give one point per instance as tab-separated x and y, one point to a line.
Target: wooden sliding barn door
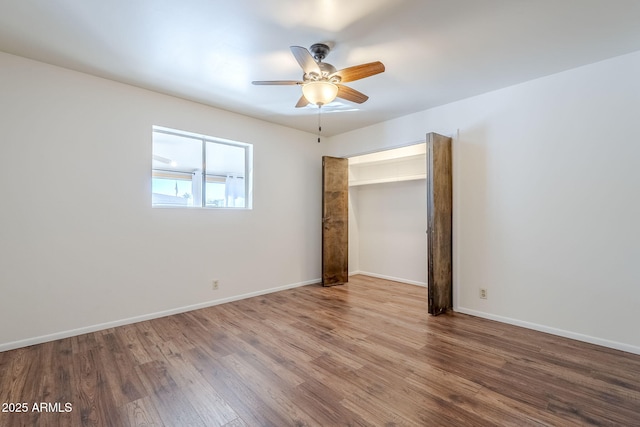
335	221
439	224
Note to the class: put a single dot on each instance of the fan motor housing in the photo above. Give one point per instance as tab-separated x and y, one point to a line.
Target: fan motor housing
319	52
326	68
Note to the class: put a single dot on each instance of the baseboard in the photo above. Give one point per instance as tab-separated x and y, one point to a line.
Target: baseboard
394	279
99	327
553	331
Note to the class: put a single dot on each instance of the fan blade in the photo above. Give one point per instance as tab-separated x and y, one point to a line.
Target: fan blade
358	72
277	82
345	92
302	102
306	61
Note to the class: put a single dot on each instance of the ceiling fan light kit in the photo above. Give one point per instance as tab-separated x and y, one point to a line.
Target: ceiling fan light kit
319	92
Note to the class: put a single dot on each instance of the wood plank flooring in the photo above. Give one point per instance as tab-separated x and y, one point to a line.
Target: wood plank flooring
362	354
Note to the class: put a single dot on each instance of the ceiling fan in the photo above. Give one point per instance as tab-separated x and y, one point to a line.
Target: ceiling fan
321	82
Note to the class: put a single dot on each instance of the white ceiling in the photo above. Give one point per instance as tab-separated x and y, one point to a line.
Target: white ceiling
209	51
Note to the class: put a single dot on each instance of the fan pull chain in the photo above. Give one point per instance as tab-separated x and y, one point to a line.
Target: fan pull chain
319	122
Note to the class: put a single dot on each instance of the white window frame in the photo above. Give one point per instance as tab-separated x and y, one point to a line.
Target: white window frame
201	178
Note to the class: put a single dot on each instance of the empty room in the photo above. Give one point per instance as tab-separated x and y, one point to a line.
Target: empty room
319	213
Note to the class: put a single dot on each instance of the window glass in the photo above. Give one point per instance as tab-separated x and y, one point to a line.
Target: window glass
216	194
170	190
225	175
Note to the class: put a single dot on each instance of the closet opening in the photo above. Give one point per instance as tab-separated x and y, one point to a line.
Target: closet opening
388	214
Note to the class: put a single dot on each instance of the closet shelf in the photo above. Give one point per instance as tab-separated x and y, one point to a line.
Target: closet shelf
358	182
379	160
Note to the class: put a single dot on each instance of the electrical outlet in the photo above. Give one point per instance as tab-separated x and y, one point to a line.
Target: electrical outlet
483	293
214	285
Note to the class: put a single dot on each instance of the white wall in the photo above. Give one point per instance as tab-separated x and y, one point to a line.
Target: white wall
546	202
391	219
80	246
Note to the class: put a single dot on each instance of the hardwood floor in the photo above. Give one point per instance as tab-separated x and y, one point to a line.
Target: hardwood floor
366	353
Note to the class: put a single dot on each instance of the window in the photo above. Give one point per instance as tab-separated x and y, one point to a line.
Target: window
191	170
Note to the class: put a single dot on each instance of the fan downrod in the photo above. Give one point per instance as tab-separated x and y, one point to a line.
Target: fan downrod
319	51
